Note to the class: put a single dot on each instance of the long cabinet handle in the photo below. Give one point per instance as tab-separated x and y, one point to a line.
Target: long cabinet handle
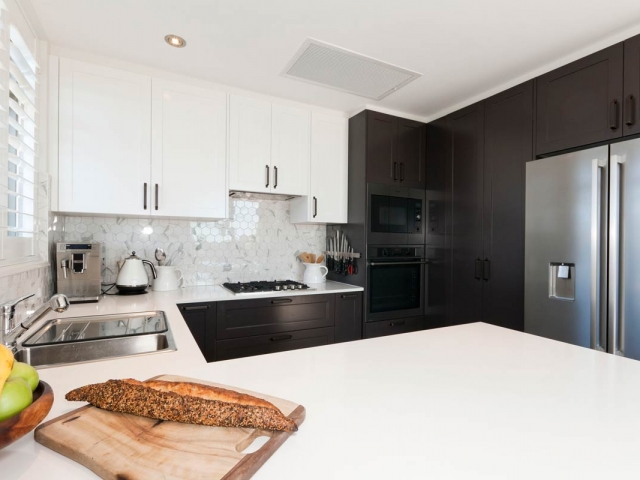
275	174
390	264
630	111
478	272
145	196
615	339
598	243
315	207
195	308
279	338
349	295
267	167
157	196
486	270
396	323
613	115
395	170
281	300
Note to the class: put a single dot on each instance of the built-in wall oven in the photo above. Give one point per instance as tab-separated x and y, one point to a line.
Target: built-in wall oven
395	215
395	281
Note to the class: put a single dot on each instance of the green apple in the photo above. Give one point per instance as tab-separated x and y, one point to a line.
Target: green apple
26	372
16	396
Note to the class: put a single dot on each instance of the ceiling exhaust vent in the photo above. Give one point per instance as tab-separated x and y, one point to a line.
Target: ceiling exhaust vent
330	66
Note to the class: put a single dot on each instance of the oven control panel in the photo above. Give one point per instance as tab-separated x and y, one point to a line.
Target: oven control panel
415	210
394	252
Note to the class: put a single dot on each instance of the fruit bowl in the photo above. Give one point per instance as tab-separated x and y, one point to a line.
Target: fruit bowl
22	423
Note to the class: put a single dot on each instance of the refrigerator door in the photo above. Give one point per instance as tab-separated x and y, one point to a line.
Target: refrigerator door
624	250
565	247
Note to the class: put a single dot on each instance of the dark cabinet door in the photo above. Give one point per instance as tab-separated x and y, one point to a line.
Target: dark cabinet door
580	103
410	153
631	102
465	214
348	317
508	146
381	133
201	320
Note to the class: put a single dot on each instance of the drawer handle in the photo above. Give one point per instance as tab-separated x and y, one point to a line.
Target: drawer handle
630	111
279	338
349	295
197	307
396	324
281	300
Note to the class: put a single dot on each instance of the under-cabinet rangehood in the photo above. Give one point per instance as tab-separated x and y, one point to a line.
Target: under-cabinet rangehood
258	196
334	67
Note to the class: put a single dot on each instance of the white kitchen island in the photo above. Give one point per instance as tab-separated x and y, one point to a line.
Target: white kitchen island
467	402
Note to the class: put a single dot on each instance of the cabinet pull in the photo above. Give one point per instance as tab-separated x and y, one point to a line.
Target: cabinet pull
613	115
397	323
195	307
145	196
486	271
267	167
349	295
395	171
281	300
478	274
157	189
279	338
275	174
402	171
630	111
315	207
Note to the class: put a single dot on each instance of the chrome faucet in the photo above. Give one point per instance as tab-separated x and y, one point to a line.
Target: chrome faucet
9	331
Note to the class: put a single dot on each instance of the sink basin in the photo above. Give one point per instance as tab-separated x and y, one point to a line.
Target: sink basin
87	339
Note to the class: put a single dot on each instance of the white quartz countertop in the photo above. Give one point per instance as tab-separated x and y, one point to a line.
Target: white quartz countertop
466	402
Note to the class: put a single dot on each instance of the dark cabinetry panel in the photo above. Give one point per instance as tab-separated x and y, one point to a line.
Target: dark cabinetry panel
348	317
580	103
631	105
241	318
381	131
201	320
508	146
392	327
410	152
272	343
465	170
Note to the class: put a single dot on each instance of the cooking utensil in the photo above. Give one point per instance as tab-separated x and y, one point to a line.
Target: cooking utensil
116	444
161	256
320	259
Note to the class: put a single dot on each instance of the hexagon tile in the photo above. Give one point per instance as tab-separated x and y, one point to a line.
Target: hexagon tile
256	242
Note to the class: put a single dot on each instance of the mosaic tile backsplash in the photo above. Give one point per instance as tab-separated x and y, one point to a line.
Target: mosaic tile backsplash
256	242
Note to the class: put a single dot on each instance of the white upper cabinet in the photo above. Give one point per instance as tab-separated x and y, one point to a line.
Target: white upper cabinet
328	195
249	145
290	146
189	136
104	139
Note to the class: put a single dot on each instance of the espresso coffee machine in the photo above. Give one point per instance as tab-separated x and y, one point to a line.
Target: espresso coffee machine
78	267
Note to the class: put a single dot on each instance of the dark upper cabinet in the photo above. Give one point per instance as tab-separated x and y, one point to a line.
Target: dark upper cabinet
381	132
580	103
395	150
201	320
464	213
508	146
348	317
631	101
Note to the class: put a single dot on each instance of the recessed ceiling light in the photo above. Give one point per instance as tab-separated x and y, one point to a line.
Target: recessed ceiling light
175	41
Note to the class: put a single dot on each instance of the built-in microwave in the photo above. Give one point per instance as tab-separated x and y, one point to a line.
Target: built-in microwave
395	215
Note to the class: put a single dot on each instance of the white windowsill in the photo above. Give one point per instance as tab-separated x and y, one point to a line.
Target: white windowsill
22	267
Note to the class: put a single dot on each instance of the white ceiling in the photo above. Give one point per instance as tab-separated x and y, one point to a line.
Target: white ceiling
463	48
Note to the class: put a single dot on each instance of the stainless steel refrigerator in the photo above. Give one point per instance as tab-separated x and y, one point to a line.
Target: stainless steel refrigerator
582	251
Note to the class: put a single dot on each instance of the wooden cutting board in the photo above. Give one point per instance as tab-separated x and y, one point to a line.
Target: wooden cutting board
122	446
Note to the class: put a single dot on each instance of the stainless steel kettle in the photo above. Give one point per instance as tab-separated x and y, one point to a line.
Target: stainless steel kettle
132	277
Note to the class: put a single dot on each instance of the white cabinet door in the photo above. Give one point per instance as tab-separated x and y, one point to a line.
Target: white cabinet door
104	140
290	144
329	175
249	145
189	134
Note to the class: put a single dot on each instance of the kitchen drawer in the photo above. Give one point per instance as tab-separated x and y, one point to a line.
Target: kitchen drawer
272	343
391	327
244	318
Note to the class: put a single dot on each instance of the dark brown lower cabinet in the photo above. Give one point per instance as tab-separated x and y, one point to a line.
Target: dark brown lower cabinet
201	320
348	317
391	327
272	343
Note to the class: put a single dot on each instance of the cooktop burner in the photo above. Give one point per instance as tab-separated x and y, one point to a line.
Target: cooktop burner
262	287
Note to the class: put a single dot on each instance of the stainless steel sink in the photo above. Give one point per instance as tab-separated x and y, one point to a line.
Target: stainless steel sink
92	338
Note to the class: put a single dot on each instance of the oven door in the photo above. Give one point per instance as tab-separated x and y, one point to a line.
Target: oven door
395	288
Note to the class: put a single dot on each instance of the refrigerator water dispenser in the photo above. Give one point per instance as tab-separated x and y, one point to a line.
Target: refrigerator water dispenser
562	281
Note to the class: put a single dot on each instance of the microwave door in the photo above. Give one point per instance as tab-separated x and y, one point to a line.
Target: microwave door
398	218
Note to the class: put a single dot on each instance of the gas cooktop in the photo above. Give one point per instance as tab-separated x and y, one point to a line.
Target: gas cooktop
264	287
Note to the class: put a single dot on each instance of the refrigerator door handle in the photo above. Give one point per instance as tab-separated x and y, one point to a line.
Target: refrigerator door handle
615	340
598	252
